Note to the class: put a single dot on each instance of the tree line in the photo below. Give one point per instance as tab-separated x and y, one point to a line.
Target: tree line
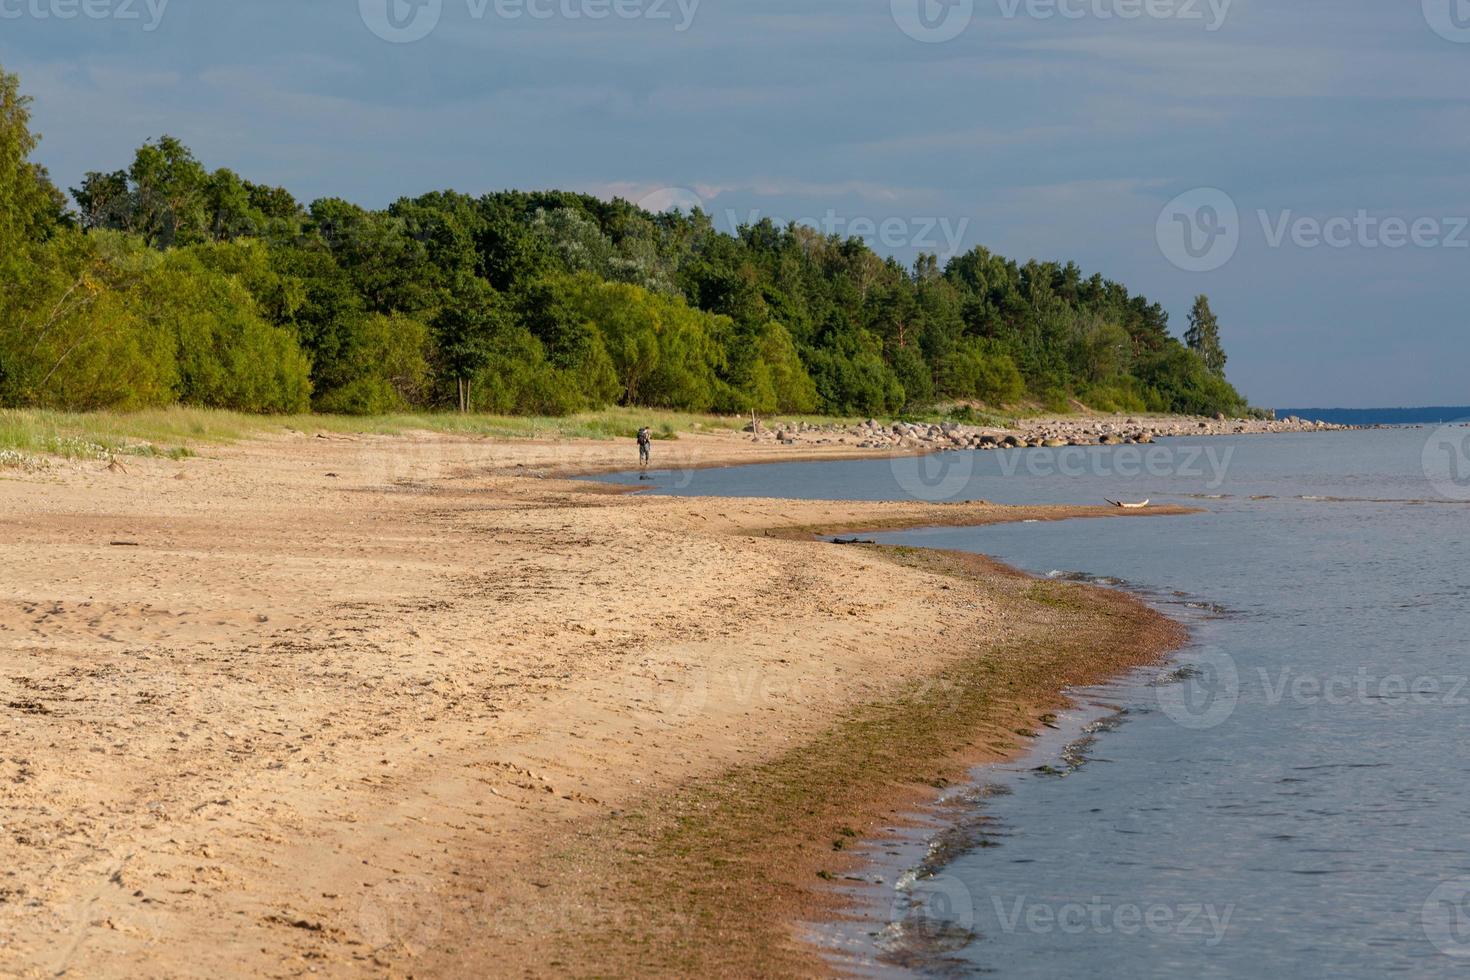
166	282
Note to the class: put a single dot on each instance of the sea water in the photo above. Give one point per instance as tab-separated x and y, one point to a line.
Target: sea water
1289	796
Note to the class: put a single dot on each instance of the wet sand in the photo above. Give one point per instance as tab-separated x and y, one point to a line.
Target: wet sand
417	706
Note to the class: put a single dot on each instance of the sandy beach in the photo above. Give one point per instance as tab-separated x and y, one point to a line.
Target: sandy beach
420	706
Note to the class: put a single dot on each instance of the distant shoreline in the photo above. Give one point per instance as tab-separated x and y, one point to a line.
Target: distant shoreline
1430	415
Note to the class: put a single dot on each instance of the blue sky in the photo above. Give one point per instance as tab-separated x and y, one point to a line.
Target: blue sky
1057	129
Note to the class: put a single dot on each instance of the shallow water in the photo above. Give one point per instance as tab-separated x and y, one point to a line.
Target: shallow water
1291	796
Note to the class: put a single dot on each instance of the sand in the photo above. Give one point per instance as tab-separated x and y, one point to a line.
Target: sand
341	706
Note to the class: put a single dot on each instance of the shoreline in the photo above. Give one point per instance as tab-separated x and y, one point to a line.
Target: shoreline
802	879
875	930
362	704
868	934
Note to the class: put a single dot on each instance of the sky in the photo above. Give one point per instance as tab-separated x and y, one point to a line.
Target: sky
1301	162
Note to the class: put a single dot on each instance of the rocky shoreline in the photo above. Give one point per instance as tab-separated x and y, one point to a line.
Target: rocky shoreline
1038	432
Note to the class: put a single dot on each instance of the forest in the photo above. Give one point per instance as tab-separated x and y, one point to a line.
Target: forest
165	282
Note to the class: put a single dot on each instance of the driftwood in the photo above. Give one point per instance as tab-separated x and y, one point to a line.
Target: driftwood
1126	506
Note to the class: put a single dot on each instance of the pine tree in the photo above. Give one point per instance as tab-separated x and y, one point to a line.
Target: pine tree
1203	336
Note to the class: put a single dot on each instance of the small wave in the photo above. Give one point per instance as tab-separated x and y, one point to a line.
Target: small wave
1176	675
1212	610
1075	754
1406	501
919	941
1086	577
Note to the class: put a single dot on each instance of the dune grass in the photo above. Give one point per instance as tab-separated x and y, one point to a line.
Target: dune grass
180	431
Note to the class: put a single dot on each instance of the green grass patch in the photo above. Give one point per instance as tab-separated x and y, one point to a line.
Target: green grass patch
178	431
1058	595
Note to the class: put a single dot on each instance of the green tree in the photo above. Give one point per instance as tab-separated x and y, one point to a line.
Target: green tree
466	331
27	201
1203	336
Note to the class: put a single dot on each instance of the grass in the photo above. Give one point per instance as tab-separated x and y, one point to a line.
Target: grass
24	435
180	431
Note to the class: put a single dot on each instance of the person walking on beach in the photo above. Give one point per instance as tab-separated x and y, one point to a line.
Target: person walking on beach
645	447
